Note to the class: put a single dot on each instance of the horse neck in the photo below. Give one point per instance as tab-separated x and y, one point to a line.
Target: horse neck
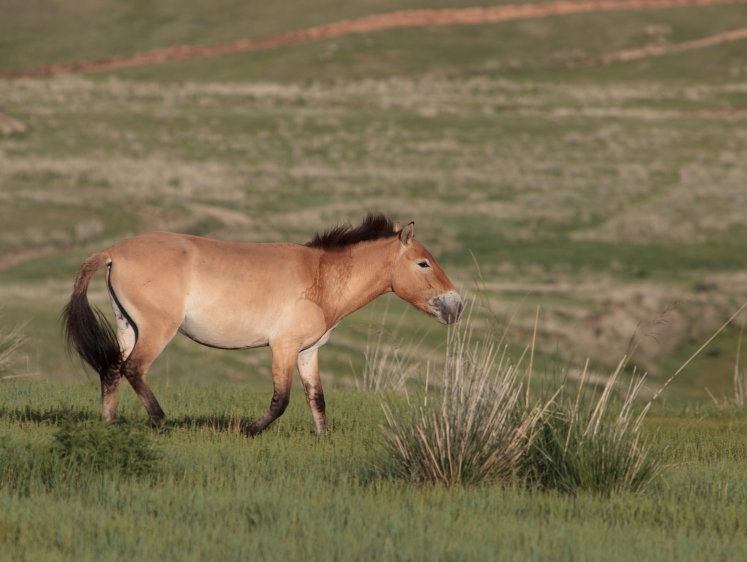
359	275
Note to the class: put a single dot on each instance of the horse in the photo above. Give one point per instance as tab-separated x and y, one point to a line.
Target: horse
234	295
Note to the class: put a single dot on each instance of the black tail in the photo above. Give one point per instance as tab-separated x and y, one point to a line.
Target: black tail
88	332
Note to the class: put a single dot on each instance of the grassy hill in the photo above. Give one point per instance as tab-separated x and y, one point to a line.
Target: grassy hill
604	194
47	32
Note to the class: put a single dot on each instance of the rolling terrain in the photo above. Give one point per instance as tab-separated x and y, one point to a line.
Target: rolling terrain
581	174
611	195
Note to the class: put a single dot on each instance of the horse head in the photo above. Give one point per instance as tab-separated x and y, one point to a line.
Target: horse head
419	280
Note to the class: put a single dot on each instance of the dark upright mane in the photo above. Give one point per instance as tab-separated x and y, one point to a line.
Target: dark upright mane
373	227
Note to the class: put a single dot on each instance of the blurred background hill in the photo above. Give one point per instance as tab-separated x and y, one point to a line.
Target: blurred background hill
614	196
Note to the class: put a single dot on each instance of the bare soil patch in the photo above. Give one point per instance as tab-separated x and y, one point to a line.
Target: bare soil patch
669	48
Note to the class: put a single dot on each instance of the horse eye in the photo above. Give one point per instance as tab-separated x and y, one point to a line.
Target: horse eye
424	264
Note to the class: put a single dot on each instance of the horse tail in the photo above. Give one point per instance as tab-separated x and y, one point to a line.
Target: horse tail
87	331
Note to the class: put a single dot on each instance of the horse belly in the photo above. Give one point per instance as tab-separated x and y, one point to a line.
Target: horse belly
225	328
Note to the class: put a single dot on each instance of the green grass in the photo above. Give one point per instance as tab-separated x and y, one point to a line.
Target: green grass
289	494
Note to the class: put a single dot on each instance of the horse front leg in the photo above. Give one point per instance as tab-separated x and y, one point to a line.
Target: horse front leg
308	368
283	364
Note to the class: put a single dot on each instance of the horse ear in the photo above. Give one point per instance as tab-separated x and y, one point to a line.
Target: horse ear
407	234
397	227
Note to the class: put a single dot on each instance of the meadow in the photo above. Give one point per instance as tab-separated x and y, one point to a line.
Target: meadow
602	202
212	493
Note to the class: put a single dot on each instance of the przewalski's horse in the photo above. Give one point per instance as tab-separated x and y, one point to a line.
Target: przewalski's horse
234	295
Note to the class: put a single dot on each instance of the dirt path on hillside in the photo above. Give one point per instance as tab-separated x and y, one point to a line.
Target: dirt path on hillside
367	24
668	48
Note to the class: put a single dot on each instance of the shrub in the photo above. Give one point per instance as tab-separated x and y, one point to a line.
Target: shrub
94	445
80	449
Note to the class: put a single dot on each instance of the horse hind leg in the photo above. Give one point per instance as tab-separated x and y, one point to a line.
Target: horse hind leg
150	343
141	343
127	336
110	383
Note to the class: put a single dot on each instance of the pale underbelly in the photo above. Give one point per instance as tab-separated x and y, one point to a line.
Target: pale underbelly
216	322
231	335
231	342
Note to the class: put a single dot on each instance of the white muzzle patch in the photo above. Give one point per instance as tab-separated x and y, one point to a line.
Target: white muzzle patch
448	308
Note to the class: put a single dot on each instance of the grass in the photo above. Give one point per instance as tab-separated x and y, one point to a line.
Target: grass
633	260
11	341
482	427
475	431
290	494
81	450
600	194
595	444
91	444
539	49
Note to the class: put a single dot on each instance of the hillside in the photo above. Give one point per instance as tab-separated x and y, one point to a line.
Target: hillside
605	193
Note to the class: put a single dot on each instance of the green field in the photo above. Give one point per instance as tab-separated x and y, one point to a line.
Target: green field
605	201
288	494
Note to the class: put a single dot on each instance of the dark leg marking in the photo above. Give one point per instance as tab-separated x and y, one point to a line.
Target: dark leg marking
278	405
319	401
136	378
314	397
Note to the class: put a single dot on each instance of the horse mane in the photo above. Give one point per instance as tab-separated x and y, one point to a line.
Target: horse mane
373	227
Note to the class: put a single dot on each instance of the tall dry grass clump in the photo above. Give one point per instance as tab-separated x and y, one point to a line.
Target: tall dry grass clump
479	425
595	443
475	429
11	341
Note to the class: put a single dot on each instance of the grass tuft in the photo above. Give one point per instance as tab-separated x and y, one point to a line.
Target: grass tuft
81	450
479	429
476	430
94	445
10	342
596	445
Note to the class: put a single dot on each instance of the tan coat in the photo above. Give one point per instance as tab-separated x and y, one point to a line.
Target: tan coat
235	295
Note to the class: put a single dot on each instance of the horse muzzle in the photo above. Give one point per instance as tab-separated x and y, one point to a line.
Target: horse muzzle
447	308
